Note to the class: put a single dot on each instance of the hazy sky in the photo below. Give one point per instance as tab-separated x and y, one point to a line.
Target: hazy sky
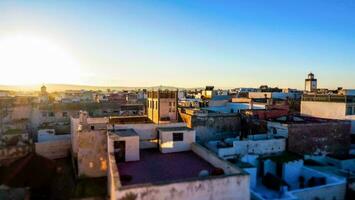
178	43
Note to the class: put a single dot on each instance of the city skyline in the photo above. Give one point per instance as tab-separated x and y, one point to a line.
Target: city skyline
178	43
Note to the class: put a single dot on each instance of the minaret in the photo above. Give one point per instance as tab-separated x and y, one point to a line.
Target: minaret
310	83
43	90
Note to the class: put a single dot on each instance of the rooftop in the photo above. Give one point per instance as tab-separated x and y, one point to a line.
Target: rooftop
129	120
125	132
181	128
154	166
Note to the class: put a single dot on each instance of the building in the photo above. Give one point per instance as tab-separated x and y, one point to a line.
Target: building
162	106
52	146
137	172
259	144
284	176
209	124
340	106
310	84
314	136
208	92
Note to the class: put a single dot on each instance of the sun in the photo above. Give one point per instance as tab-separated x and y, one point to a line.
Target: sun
29	59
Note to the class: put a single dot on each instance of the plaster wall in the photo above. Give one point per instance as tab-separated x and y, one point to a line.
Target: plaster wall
92	153
53	149
167	145
225	187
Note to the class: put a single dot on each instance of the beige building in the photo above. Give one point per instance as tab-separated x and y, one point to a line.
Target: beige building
162	106
330	106
310	83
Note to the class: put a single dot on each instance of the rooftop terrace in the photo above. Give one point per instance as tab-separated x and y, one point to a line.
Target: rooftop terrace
158	167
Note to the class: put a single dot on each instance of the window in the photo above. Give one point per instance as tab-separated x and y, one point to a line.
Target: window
156	105
51	114
65	114
178	137
349	110
170	103
92	127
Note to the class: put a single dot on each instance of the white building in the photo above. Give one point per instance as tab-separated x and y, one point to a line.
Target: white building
310	83
340	106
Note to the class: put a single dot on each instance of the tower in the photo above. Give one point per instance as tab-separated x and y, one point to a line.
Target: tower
310	83
162	106
43	90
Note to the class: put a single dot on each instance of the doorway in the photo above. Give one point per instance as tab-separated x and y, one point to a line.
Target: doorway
120	150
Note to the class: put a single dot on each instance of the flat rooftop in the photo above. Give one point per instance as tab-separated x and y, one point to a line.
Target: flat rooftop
155	166
125	132
177	128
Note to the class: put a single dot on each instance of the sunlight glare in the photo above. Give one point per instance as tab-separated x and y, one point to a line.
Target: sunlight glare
27	59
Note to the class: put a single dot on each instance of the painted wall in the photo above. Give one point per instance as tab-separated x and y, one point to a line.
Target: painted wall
224	187
269	167
132	146
167	145
147	132
277	129
316	109
253	175
214	160
259	146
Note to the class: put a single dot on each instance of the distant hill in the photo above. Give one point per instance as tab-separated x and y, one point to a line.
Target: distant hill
63	87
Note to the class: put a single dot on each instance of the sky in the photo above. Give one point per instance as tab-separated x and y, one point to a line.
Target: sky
178	43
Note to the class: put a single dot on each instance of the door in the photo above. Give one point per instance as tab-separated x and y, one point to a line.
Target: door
120	151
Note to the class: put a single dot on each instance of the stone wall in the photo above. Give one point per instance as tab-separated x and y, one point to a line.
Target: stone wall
207	125
323	138
92	153
53	149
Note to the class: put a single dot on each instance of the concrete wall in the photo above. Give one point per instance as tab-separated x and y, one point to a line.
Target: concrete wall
334	189
208	125
245	147
222	187
92	153
214	160
167	145
333	110
132	146
53	149
269	167
319	138
259	146
253	175
147	132
327	192
291	171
